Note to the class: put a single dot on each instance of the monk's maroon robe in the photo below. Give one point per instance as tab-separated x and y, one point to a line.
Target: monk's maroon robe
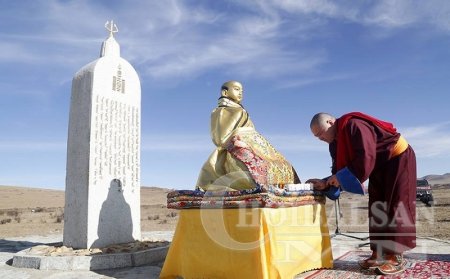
392	184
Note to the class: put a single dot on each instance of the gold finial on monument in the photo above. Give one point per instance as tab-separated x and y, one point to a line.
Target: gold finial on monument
111	27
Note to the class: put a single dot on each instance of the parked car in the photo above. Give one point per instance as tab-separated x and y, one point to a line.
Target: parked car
424	193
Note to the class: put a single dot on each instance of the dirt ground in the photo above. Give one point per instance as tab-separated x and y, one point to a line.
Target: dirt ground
31	211
431	221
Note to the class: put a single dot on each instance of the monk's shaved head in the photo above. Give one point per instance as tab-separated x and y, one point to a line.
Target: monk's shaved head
320	119
322	126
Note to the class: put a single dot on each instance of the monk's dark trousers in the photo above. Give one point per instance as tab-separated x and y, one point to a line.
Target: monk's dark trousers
392	204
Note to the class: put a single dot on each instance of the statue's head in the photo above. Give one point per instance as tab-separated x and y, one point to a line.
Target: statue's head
233	90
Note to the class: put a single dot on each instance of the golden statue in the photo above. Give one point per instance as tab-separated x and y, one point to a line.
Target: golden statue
243	159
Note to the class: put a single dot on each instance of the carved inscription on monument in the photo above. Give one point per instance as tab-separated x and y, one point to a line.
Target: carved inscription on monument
115	132
118	84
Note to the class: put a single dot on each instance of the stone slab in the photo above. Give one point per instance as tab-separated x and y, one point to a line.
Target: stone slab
150	256
102	197
23	259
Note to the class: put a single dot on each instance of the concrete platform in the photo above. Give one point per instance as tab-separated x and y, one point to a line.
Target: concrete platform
10	246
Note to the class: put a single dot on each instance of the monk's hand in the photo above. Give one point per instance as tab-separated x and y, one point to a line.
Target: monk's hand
332	181
318	184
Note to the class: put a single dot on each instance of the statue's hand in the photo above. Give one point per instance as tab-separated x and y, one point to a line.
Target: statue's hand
318	183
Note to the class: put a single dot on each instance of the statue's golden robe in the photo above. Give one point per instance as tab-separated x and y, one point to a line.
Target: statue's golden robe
243	159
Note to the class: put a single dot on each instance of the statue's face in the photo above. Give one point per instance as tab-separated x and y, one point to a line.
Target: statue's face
235	91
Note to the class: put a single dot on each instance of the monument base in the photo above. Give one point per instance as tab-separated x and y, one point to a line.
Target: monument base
39	258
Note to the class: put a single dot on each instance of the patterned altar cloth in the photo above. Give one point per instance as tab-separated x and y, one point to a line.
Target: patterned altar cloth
270	196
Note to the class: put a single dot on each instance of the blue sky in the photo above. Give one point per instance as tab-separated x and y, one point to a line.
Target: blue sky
389	59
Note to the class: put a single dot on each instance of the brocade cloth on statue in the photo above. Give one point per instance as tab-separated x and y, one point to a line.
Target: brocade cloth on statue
243	158
266	165
249	243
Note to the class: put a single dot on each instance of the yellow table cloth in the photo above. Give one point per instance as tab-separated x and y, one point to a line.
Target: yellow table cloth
249	243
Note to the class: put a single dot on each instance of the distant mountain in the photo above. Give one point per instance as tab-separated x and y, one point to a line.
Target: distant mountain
435	179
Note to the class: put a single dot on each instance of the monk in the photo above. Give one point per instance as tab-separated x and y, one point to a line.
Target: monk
243	159
363	147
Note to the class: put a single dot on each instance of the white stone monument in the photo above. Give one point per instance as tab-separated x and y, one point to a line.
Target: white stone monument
102	205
